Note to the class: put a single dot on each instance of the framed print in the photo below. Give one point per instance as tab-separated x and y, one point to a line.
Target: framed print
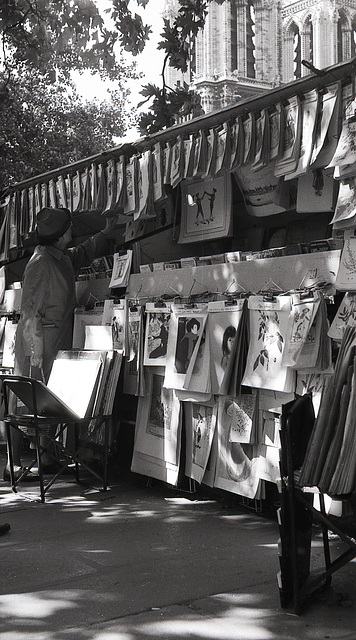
206	209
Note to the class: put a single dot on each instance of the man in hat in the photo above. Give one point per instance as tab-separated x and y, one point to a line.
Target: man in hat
48	301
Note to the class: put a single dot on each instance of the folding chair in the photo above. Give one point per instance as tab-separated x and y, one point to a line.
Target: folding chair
48	416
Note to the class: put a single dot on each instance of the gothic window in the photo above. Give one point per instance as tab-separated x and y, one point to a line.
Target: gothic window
233	36
342	38
250	40
353	37
308	40
295	33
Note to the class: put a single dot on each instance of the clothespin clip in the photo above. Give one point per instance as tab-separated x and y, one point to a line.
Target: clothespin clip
270	291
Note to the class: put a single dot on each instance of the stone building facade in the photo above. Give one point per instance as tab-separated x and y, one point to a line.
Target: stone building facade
250	46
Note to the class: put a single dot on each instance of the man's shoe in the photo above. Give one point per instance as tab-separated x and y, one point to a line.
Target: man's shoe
29	477
4	528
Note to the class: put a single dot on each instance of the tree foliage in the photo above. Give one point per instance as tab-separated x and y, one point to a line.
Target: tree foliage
44	124
177	38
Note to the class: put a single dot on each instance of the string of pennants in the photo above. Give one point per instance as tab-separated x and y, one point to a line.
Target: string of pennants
294	139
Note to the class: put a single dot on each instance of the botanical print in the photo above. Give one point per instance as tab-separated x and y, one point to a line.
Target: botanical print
200	420
236	416
309	120
346	275
300	321
326	133
156	337
346	201
345	316
269	324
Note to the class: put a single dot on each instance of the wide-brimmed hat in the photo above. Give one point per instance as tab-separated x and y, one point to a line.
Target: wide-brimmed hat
53	223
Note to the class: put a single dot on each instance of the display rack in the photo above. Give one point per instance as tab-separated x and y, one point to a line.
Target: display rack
297	582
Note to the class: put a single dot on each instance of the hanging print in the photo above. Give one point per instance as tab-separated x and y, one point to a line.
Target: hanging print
156	337
268	328
206	209
200	421
185	334
224	318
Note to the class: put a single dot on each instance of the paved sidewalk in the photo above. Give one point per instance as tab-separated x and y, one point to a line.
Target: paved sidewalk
151	563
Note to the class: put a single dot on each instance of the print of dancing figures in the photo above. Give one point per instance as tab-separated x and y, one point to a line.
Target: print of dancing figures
203	215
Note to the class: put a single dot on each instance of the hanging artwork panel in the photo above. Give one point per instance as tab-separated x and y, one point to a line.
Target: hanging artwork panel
200	422
131	181
316	192
223	321
346	275
114	316
344	317
292	134
269	321
206	209
236	416
327	131
185	333
157	172
237	465
121	269
157	434
156	336
309	108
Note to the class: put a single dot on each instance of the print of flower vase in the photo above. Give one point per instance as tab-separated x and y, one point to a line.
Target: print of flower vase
269	333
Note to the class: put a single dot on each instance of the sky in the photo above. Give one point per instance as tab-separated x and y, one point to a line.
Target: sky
149	62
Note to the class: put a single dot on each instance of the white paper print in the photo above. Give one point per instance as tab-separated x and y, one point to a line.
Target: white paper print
300	321
237	465
235	415
345	316
223	321
121	270
200	421
156	337
346	275
268	330
185	333
114	315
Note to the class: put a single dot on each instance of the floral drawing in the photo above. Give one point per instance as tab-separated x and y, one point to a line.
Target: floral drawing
270	335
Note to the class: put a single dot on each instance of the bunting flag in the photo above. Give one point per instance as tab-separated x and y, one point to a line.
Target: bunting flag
222	149
145	200
167	159
38	201
188	156
262	146
211	149
44	195
249	125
